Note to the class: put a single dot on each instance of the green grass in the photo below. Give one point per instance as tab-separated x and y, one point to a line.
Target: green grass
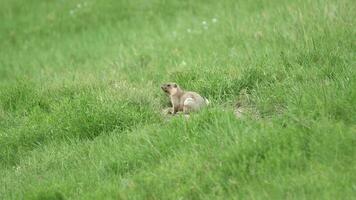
80	102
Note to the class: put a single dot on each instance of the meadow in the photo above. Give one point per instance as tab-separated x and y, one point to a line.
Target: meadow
81	104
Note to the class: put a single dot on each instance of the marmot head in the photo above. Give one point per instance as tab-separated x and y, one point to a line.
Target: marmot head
170	88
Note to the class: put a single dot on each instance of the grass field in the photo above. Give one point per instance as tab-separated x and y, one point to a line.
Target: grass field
80	99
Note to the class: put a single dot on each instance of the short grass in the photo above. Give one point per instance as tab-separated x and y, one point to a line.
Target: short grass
80	103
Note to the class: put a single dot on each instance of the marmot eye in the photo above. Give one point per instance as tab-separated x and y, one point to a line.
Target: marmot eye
169	85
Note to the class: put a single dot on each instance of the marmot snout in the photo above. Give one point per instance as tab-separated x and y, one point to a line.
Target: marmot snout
169	88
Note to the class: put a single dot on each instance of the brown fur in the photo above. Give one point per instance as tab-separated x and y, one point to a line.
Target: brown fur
183	101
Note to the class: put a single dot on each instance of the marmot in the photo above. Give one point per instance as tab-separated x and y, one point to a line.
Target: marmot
183	100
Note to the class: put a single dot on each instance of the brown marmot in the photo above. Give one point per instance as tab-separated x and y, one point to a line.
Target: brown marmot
184	101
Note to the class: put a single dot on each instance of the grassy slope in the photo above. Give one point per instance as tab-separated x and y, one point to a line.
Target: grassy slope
77	122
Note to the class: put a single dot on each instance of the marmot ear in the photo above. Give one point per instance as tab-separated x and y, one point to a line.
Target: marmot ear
175	85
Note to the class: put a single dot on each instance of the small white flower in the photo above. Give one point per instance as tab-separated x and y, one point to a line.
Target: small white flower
214	20
189	30
79	5
71	12
17	169
204	22
183	63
